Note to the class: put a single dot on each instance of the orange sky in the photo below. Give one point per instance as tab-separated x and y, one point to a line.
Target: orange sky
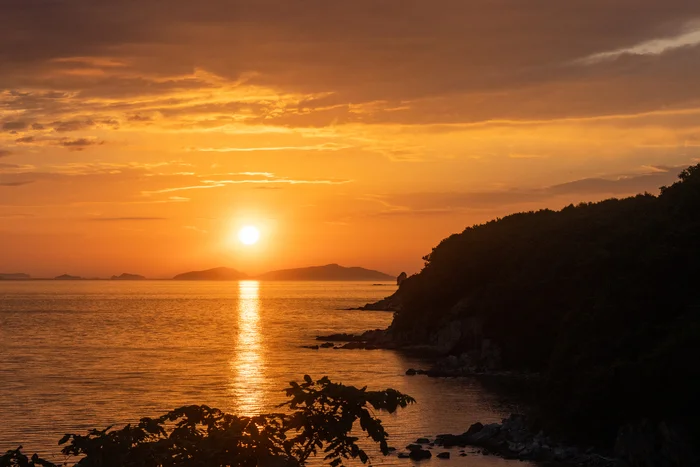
138	136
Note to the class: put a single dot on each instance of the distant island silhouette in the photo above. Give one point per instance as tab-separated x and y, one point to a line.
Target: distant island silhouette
67	277
215	274
128	277
329	272
14	276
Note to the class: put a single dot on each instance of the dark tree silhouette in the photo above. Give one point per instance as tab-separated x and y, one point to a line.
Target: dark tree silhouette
320	418
602	298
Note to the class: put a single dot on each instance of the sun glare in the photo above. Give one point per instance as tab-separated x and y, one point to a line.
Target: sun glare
249	235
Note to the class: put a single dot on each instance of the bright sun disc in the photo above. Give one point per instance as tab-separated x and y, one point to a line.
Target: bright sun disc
249	235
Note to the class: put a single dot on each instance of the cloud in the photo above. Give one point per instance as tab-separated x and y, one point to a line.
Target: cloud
623	185
264	179
79	144
140	118
315	147
325	64
526	156
123	219
5	152
14	125
422	204
78	125
648	47
17	183
15	168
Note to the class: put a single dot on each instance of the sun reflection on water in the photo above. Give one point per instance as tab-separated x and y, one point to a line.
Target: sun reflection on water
247	363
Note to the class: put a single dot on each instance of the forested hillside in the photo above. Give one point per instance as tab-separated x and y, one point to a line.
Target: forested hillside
602	298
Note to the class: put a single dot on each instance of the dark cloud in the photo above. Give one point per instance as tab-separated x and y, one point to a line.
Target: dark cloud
445	203
5	152
140	118
455	61
73	125
78	125
14	126
79	144
621	186
25	139
17	183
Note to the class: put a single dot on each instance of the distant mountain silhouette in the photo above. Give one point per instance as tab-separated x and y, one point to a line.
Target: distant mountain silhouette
68	277
14	276
216	274
329	272
128	277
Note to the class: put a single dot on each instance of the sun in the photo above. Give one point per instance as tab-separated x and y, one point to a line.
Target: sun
249	235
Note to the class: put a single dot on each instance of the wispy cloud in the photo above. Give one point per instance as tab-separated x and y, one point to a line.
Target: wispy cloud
206	184
314	147
649	47
260	179
79	144
119	219
526	156
18	183
285	181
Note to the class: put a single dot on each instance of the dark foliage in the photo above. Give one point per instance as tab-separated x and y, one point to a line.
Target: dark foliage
604	298
320	419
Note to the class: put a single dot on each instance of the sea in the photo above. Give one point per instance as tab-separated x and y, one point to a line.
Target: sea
76	355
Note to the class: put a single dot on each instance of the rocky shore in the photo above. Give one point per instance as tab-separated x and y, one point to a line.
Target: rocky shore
510	439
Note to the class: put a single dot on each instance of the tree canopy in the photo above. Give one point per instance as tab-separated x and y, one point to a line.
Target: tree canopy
602	298
320	417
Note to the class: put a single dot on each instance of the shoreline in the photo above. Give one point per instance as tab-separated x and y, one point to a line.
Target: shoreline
515	438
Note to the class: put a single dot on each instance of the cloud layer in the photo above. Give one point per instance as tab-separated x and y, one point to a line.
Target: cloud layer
339	124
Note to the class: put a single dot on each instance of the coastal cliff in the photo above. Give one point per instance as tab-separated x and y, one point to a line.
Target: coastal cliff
601	299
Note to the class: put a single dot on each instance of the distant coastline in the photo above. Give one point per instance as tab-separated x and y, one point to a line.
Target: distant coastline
329	272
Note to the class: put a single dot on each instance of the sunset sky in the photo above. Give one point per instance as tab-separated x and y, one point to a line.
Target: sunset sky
139	136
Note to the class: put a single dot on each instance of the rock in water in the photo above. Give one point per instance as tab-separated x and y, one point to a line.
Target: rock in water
420	454
475	428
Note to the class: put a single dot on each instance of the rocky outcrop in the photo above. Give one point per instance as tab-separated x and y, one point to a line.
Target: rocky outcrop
646	444
391	303
368	340
514	439
440	342
402	277
446	338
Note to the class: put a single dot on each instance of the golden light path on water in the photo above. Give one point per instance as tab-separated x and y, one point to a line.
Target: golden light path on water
247	363
110	352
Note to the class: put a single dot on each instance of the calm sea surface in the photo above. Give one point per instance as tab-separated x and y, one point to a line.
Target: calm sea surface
79	355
